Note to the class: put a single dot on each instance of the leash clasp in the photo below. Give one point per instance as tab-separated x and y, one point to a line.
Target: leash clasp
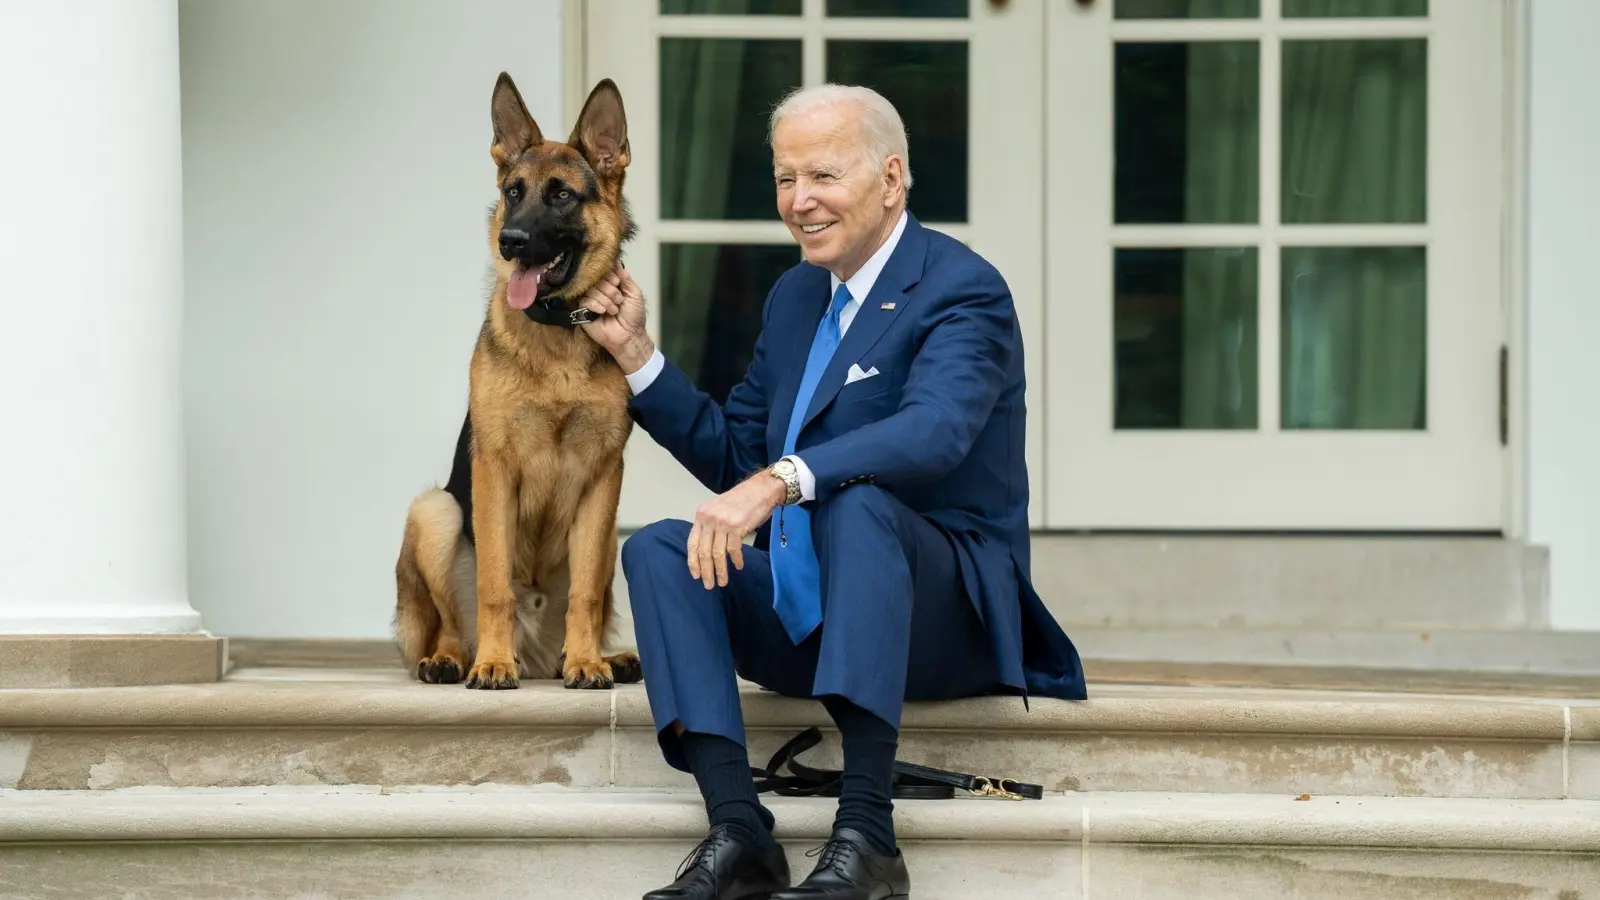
984	787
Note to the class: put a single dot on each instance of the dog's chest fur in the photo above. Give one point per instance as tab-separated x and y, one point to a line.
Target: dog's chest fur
555	413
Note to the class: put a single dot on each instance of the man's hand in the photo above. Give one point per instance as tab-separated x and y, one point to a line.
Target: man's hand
721	523
620	328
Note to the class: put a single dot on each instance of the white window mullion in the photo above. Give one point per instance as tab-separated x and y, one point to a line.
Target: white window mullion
687	231
814	54
1268	320
1159	236
676	231
799	27
1183	30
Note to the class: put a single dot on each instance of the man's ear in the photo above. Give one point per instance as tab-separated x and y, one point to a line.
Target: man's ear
894	179
514	129
601	133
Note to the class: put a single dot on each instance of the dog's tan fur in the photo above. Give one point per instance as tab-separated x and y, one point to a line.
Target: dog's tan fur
548	409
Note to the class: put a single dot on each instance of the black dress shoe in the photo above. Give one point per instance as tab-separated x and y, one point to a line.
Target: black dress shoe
723	867
851	870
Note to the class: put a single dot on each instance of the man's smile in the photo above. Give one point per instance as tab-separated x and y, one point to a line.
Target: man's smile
813	229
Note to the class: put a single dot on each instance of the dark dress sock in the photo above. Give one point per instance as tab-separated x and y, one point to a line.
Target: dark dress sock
722	770
864	797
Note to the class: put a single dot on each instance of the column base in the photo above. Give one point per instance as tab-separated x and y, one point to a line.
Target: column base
104	660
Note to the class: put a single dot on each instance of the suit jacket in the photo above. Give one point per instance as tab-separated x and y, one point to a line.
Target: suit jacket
942	426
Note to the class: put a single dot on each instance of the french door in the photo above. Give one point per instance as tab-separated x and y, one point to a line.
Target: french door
1273	264
1255	245
698	79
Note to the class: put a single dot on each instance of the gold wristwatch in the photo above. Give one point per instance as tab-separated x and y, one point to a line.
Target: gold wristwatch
785	471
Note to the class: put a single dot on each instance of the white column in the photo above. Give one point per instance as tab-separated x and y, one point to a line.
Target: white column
91	319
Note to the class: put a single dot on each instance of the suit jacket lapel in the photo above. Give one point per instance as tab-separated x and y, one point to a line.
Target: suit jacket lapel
899	274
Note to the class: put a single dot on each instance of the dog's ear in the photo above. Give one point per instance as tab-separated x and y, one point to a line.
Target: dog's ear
601	133
514	129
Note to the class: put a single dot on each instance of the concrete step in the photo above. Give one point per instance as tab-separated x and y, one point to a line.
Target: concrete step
525	843
264	727
1531	651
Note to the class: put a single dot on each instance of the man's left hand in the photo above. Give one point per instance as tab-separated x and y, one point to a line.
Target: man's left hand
721	523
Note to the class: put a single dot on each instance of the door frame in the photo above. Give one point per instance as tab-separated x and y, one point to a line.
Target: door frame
1515	37
1515	33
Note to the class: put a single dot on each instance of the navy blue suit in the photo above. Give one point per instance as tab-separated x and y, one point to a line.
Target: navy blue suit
920	516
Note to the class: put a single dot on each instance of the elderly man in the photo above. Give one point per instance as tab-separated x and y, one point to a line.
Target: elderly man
880	430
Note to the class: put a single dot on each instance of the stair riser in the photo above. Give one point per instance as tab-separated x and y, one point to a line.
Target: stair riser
1293	582
584	757
1547	652
517	870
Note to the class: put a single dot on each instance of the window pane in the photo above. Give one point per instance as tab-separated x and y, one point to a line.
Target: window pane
1188	9
1327	9
1187	145
1355	338
906	9
1355	131
716	94
1185	331
731	7
927	81
711	297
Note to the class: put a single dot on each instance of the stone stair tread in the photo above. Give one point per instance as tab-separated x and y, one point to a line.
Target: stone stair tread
208	814
321	698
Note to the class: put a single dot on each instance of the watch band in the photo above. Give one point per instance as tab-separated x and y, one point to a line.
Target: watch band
784	470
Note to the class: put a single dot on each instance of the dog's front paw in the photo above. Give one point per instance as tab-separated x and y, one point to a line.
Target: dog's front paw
439	669
593	673
626	668
493	675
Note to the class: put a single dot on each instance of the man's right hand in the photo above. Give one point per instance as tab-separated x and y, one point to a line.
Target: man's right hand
620	327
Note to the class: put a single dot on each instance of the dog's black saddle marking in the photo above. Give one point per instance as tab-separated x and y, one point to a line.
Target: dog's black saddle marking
460	484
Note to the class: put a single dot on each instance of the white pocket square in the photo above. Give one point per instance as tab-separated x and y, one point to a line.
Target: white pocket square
856	374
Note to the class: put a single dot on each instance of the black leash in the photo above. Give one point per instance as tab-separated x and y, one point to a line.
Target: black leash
911	781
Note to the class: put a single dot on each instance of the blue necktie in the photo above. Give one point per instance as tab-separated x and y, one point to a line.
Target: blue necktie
796	588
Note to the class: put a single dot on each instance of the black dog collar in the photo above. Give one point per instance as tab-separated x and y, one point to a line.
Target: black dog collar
545	314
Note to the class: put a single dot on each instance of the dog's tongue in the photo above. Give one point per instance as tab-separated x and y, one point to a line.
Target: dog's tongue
524	286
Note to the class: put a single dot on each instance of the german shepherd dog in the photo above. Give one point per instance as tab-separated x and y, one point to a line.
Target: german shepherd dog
506	573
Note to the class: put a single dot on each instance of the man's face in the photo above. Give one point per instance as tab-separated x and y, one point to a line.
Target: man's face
836	202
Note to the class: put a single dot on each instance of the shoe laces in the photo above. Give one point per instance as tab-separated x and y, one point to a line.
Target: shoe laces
833	853
703	852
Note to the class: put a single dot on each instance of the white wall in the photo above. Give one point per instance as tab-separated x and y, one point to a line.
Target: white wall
1564	305
336	178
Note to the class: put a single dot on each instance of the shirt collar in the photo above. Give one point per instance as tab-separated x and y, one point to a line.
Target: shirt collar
860	284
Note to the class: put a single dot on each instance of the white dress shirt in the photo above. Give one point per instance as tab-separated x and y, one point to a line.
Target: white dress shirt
860	284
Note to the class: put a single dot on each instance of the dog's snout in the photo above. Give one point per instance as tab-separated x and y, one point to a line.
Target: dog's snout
512	242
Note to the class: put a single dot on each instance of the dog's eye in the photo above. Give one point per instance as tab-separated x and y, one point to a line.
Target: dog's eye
513	193
563	195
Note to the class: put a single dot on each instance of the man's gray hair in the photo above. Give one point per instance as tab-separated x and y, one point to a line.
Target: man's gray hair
881	128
